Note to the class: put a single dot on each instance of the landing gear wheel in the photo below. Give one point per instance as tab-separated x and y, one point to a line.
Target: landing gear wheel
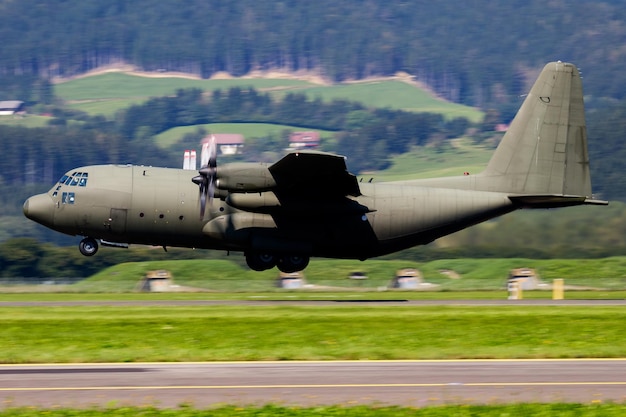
293	263
260	261
88	246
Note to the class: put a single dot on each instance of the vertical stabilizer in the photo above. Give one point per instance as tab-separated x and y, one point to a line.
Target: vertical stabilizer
544	152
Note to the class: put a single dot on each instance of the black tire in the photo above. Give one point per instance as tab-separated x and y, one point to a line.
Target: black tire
260	261
88	246
293	263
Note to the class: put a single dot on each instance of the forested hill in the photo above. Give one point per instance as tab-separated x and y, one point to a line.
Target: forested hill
476	52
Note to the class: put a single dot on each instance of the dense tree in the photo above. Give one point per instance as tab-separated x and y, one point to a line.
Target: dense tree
482	53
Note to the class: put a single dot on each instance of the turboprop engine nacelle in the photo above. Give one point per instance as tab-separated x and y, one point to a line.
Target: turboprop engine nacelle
245	177
258	202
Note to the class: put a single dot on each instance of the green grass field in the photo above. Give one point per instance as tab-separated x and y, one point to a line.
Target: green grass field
515	410
29	121
248	130
109	92
132	333
604	275
394	95
118	85
127	333
429	162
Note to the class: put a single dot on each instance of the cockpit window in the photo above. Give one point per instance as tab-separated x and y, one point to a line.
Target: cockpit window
68	198
76	179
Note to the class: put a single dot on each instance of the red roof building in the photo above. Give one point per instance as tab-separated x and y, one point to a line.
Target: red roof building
304	140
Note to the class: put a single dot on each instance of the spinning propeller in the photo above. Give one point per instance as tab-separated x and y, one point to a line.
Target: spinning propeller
208	174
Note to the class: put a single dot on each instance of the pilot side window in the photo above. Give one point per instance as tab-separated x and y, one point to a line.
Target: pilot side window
68	198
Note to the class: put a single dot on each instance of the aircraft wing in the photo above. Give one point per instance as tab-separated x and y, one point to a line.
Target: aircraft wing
314	174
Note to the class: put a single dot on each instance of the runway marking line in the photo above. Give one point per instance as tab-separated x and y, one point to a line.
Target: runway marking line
319	386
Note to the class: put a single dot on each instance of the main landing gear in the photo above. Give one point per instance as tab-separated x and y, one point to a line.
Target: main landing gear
88	246
259	261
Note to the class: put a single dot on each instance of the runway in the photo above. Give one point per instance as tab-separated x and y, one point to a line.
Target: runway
405	383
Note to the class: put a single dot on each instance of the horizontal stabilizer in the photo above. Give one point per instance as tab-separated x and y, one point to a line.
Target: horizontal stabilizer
553	201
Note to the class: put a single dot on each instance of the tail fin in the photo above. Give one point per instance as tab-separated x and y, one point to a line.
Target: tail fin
544	152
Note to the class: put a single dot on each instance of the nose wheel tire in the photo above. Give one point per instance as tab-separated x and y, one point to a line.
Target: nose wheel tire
88	246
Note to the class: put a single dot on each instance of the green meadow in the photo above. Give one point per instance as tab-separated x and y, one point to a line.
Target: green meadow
342	331
395	95
603	276
118	85
109	92
248	130
459	156
29	121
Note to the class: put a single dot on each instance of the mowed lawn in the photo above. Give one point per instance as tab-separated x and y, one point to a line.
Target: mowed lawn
289	332
274	410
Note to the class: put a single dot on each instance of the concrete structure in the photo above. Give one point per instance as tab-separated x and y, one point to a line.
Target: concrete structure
291	280
156	281
227	143
407	279
527	278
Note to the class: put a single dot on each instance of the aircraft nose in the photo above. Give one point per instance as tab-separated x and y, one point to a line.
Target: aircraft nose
40	208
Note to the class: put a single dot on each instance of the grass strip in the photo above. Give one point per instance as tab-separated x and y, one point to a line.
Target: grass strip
25	293
514	410
216	333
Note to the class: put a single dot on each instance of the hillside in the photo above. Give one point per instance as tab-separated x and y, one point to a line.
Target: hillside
477	53
106	93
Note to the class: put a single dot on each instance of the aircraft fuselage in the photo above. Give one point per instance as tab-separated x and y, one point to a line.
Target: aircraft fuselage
159	206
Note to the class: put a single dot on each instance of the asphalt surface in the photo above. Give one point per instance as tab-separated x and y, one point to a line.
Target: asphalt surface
405	383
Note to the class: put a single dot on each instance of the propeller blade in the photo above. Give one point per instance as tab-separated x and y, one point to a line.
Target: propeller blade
212	151
202	200
208	174
204	155
211	191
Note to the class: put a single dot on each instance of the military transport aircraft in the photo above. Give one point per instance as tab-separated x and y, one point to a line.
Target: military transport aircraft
308	204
